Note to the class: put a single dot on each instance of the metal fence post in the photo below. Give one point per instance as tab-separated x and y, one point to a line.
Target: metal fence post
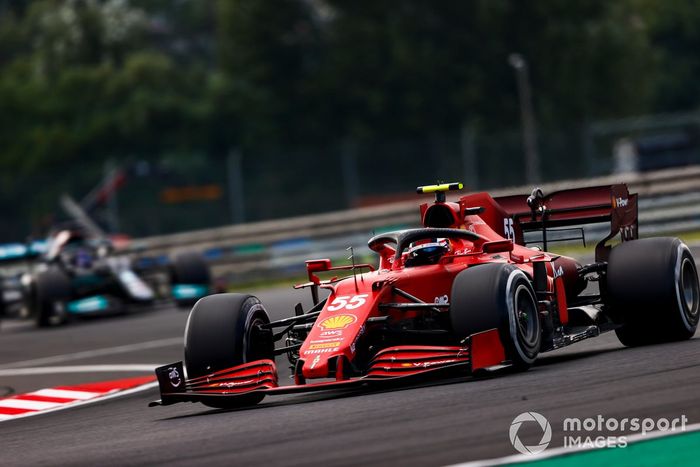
532	158
470	167
234	175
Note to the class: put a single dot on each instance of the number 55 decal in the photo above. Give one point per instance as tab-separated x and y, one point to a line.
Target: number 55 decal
347	302
508	228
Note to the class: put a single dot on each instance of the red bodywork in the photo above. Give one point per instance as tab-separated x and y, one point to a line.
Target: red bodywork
339	337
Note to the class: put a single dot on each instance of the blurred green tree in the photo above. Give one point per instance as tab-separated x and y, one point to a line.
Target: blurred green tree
91	89
268	57
87	83
416	66
672	27
84	81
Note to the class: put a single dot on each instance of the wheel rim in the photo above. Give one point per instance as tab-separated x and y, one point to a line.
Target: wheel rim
254	346
526	315
689	288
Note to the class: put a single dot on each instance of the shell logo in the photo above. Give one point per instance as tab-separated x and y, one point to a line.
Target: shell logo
337	322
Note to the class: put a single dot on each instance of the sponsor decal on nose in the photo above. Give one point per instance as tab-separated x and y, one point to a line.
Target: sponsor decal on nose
337	322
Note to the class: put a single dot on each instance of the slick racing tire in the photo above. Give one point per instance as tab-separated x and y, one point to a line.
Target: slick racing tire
498	296
223	331
189	268
652	290
51	289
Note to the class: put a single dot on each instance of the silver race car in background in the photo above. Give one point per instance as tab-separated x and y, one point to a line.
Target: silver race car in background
76	274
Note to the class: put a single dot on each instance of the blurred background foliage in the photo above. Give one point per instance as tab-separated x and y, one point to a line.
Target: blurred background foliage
327	102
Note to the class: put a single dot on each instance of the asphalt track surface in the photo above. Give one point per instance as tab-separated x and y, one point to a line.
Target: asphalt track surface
426	425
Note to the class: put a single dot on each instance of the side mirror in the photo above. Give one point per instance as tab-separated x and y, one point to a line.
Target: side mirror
318	265
498	246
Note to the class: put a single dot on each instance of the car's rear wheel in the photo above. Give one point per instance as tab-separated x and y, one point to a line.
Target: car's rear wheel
498	296
51	290
652	290
190	269
223	331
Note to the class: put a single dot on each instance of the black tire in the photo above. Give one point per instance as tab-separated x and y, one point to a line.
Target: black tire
491	296
189	268
51	289
652	289
223	331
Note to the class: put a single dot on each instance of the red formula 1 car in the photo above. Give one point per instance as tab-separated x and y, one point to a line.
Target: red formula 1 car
462	294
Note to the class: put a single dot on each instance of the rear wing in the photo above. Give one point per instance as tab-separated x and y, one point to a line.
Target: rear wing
575	207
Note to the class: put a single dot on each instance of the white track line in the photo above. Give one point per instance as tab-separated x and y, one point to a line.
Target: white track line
64	394
556	452
28	404
127	392
49	370
97	352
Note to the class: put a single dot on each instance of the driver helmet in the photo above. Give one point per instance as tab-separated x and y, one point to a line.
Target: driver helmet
82	258
427	252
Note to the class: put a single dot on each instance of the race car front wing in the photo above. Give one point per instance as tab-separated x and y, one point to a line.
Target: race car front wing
479	352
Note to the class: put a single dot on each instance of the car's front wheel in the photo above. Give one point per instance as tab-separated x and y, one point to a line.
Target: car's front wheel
223	331
498	296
